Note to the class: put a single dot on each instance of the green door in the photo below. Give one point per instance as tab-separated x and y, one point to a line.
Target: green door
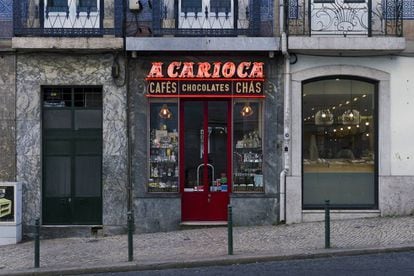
72	155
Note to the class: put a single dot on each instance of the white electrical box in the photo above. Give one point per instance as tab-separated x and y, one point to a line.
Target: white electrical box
134	5
10	212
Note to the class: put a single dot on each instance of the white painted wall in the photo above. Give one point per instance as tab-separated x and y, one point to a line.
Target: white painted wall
401	70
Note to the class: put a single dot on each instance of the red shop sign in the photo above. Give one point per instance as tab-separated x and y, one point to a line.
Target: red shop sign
216	79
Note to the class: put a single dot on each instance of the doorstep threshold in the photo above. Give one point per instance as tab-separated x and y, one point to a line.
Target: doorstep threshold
204	223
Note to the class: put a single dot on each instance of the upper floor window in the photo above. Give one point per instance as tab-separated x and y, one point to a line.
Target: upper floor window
57	5
87	6
217	6
191	6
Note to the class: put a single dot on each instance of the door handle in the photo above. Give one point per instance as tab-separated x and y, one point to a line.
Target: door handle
69	200
209	198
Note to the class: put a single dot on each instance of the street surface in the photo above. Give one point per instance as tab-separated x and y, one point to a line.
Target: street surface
377	264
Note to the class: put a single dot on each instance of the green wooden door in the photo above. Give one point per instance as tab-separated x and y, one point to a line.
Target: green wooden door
72	155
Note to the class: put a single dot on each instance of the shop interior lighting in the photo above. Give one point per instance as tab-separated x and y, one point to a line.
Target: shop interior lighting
247	110
165	113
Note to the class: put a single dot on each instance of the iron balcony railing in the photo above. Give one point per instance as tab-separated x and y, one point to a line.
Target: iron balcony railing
68	18
345	17
206	18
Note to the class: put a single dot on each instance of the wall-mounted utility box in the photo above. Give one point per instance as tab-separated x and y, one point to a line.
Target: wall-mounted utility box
10	212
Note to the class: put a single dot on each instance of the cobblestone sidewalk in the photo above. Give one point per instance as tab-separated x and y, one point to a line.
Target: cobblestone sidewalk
210	244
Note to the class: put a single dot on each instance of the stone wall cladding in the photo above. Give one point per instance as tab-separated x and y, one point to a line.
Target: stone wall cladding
36	70
7	118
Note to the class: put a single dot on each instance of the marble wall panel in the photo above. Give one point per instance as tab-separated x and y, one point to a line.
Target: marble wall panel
157	214
34	71
254	211
7	87
114	104
7	118
29	172
114	187
28	137
114	137
7	150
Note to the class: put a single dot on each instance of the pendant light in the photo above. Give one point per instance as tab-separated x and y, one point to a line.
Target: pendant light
350	116
247	110
165	113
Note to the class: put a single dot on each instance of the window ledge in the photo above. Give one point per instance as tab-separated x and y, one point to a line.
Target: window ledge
66	43
319	215
346	45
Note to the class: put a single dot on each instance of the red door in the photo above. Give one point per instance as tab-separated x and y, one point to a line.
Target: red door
205	165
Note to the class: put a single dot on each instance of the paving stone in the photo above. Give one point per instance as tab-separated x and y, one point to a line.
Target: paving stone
209	243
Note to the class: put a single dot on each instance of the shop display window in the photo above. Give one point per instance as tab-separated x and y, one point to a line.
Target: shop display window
339	143
163	152
247	147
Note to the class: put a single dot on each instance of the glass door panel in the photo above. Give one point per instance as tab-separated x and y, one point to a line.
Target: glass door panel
193	146
205	159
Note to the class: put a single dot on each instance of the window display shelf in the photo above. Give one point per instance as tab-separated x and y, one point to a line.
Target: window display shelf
248	175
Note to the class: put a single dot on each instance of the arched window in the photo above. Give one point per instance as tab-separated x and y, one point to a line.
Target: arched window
339	143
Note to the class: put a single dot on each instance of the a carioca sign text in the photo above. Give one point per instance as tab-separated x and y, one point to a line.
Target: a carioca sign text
221	79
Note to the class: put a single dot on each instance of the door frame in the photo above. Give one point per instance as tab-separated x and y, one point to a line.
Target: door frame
71	138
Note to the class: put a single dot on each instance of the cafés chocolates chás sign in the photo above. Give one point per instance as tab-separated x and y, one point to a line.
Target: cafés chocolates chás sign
211	79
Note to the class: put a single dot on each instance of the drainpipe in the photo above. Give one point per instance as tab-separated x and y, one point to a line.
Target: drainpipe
286	116
128	114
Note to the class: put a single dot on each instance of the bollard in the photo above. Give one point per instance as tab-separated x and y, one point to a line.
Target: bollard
230	229
327	225
37	243
130	219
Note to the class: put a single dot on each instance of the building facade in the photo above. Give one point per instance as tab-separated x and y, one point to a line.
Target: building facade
171	110
350	83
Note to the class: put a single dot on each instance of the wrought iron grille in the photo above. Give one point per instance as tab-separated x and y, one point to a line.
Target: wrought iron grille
345	17
68	18
212	18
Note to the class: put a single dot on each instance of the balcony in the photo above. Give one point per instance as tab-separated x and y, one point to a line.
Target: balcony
364	18
211	18
68	18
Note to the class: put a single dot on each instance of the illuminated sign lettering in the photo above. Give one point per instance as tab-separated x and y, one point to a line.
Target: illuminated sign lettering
217	79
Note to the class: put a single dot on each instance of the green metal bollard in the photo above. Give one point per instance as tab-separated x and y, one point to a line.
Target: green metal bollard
37	244
327	225
230	229
130	218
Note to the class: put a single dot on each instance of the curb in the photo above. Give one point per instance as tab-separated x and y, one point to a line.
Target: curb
217	261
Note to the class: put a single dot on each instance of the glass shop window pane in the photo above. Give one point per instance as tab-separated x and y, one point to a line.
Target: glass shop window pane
339	143
191	6
163	169
247	147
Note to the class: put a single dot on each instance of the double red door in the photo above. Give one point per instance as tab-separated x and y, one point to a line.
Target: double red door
205	147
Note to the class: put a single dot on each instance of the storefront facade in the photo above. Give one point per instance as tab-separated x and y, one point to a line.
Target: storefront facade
353	160
71	142
203	136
